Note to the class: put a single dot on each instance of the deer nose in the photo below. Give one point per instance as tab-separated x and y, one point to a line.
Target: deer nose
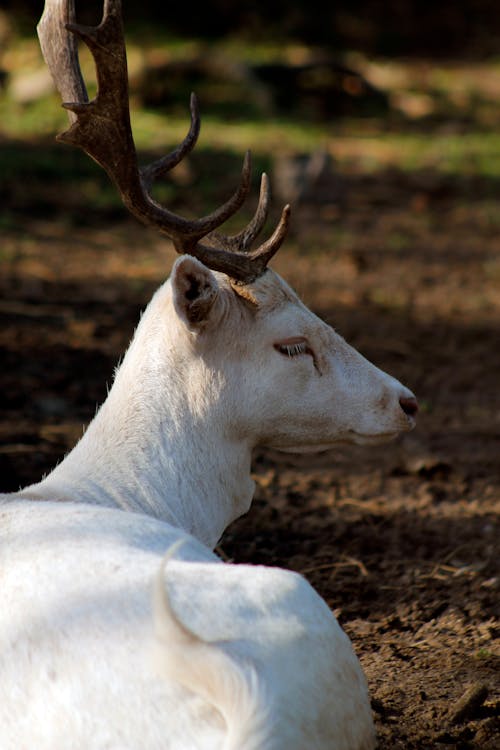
409	405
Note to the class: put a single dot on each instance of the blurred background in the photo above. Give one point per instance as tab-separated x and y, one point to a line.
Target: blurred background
380	123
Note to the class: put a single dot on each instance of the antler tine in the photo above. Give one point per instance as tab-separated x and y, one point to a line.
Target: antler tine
246	267
60	52
263	254
101	127
160	167
242	241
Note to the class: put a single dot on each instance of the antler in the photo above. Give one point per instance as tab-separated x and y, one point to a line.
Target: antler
101	128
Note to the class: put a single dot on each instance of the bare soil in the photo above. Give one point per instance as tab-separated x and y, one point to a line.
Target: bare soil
403	540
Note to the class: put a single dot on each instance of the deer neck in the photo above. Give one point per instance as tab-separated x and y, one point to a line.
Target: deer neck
183	474
159	447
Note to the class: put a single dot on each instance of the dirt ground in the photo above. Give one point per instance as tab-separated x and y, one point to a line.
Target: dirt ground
403	540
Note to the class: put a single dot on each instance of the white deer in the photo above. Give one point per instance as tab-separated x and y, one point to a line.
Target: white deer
103	645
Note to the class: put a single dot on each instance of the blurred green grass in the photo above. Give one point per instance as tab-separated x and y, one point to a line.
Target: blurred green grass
442	120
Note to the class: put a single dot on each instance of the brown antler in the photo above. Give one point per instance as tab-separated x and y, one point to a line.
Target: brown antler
101	127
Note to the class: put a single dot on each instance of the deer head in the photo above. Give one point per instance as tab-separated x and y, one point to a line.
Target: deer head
226	357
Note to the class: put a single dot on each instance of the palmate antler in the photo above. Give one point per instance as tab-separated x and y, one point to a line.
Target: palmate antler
101	128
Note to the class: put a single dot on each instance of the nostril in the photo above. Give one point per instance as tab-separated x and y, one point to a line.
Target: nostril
409	405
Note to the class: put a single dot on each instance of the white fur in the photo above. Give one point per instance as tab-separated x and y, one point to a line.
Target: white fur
243	657
206	669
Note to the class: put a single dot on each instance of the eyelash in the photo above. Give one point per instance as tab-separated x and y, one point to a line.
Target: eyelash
292	350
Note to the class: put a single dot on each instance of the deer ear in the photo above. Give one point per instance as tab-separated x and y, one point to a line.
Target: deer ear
194	289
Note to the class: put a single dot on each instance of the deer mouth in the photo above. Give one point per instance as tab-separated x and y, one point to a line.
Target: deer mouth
362	438
350	438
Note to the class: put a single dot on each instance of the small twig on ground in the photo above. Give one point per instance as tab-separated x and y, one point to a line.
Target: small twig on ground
468	704
346	562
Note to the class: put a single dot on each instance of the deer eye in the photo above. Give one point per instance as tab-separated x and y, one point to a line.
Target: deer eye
293	347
